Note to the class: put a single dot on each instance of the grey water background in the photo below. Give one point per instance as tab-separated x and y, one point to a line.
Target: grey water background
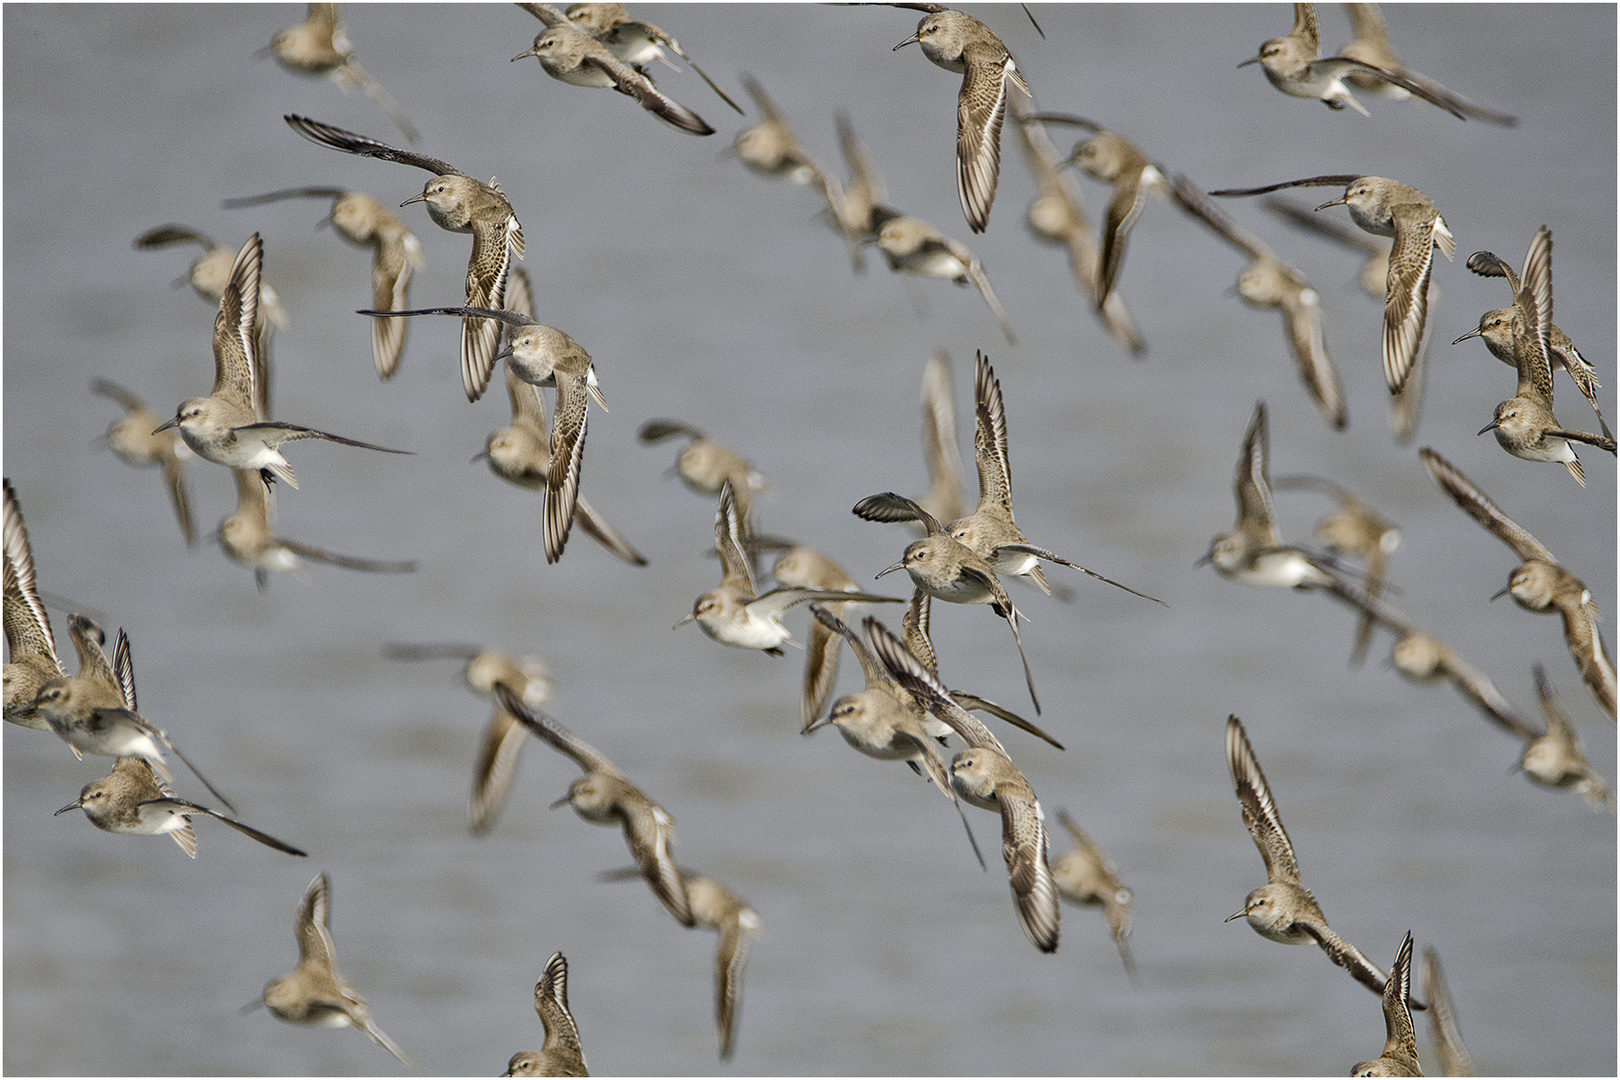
709	294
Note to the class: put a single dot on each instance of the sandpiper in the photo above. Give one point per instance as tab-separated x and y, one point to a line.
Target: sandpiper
985	776
734	614
1055	216
458	203
1400	1042
1085	876
960	43
1524	424
1371	46
210	272
1387	207
1496	330
227	427
1253	552
29	641
1354	528
1112	159
395	254
771	149
318	46
545	356
1268	282
562	1054
569	54
635	42
247	539
944	567
1555	760
314	993
133	801
1539	583
945	499
1293	64
1282	909
131	438
1448	1046
705	464
503	740
913	246
715	907
604	797
800	567
862	205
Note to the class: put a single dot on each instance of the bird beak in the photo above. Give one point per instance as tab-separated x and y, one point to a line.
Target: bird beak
1202	559
1239	915
1475	332
1332	202
558	803
688	617
901	565
819	722
480	456
1504	591
908	41
1489	426
74	805
504	354
521	56
327	220
415	198
166	427
1251	60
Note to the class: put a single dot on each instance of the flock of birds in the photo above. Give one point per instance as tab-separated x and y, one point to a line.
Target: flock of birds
905	711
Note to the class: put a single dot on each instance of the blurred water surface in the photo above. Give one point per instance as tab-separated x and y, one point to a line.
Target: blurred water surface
710	295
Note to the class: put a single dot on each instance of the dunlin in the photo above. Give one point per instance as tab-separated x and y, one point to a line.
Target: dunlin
913	246
131	438
1539	583
314	994
862	205
318	46
1400	1042
1085	876
1371	46
1282	909
800	567
29	641
1448	1046
635	42
561	1054
458	203
705	464
1555	760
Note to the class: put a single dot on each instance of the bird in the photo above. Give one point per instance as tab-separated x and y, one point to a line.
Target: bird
604	797
733	613
1354	528
1554	759
29	641
986	777
247	539
705	464
912	246
132	800
545	356
635	42
771	149
1110	158
1371	46
562	1054
1400	1056
227	427
395	254
208	275
1282	909
313	993
862	205
569	54
503	740
131	438
1387	207
318	46
1496	330
715	907
1293	64
1268	282
1375	265
945	499
960	43
944	567
1085	876
1524	424
990	531
801	567
1253	552
1539	584
458	203
1448	1047
1055	216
